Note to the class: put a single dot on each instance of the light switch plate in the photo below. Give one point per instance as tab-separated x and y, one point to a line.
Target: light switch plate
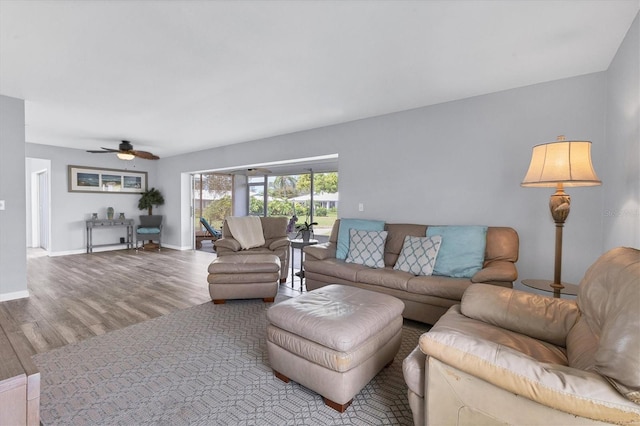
1	204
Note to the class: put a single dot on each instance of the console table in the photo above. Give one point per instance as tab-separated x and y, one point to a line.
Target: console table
109	224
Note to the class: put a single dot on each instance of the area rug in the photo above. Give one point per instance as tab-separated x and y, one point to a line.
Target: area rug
204	365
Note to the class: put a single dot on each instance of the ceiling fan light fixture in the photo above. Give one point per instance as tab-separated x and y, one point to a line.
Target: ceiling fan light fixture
125	156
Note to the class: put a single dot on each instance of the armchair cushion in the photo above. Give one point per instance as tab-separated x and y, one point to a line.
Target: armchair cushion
524	366
148	230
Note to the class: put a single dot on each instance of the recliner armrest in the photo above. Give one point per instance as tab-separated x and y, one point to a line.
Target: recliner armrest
228	243
321	251
541	317
279	243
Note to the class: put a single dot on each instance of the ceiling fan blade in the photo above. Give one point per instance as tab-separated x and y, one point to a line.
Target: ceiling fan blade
105	150
144	154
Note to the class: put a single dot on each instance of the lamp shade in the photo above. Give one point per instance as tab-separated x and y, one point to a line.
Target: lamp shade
565	162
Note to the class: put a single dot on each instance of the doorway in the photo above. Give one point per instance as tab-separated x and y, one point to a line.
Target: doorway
39	211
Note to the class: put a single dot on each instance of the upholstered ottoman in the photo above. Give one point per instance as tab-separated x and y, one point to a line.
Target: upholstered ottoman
244	277
334	340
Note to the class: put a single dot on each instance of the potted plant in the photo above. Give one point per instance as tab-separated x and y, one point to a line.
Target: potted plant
150	198
305	230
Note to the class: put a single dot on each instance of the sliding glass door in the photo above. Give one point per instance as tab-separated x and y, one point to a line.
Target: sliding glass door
213	199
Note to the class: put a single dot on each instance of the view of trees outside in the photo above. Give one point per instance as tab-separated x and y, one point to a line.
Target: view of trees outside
213	199
289	195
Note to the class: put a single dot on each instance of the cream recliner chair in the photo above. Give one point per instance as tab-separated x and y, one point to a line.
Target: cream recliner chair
276	242
505	356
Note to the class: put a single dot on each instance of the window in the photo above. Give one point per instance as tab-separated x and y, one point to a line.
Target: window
289	195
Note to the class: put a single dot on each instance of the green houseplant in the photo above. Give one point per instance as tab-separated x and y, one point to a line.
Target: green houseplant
305	230
150	198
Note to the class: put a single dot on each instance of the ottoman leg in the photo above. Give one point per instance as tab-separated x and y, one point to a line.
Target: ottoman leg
338	407
218	301
268	299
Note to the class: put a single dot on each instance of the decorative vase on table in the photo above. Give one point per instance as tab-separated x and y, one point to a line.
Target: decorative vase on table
306	234
110	213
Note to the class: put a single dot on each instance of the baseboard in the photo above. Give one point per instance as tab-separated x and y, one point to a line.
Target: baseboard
112	248
15	295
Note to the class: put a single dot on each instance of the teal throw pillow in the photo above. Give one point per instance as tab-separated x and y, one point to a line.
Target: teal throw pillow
418	255
461	252
366	247
343	233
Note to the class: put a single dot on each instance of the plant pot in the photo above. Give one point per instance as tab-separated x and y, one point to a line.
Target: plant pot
306	234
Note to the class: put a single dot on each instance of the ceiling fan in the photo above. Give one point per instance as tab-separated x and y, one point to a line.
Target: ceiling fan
125	151
252	171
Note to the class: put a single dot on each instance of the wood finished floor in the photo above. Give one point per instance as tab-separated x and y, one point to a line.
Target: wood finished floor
79	296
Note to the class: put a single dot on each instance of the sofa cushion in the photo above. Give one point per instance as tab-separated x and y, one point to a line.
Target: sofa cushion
366	248
386	277
439	286
462	250
418	255
334	268
395	239
346	225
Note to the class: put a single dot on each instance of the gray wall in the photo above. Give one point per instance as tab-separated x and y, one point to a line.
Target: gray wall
455	163
621	174
13	260
69	210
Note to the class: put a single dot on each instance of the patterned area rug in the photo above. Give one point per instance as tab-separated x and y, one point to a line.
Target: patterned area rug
204	365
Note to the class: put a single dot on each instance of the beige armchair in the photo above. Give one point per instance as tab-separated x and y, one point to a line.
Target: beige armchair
510	357
276	242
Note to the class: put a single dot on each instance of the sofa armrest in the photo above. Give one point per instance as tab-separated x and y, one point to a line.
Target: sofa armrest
499	270
321	251
279	243
228	243
541	317
582	393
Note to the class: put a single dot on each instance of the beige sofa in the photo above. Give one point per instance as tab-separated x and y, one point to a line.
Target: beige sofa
426	298
510	357
276	242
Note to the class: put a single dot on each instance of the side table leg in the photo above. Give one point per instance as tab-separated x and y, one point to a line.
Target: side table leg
293	256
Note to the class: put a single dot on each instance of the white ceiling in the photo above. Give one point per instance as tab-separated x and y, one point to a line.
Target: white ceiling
181	76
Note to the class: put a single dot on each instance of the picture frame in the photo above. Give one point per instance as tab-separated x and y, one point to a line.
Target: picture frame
110	181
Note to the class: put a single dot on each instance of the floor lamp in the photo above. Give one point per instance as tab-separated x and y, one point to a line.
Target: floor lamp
559	164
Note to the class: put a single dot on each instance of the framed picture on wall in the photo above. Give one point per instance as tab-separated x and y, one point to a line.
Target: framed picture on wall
91	179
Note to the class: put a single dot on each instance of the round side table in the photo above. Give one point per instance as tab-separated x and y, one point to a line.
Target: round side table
545	285
299	244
